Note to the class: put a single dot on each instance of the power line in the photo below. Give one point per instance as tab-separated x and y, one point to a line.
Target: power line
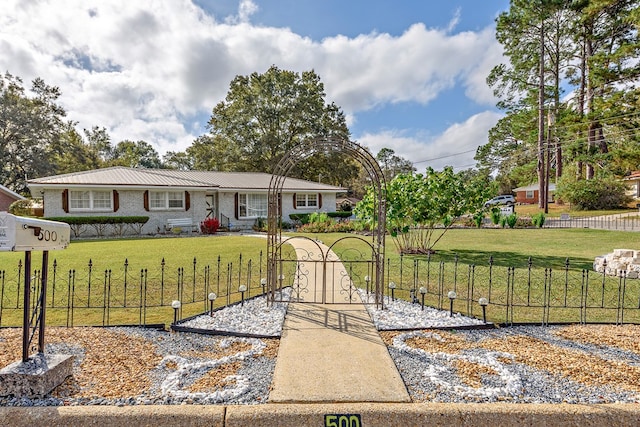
444	157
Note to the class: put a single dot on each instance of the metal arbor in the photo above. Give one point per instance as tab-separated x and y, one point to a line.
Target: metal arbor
274	235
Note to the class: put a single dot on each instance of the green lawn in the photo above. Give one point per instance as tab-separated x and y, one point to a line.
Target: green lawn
513	247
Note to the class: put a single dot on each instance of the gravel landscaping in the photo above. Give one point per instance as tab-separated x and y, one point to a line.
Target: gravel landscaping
524	364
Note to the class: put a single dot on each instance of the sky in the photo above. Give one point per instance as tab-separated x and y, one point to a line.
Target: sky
409	75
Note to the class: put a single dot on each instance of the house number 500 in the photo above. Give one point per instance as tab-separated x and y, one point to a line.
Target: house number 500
342	420
48	236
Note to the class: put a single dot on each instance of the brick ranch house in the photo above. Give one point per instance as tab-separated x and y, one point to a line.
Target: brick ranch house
237	199
529	194
7	197
633	185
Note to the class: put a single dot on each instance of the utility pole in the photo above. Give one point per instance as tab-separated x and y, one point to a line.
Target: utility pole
550	122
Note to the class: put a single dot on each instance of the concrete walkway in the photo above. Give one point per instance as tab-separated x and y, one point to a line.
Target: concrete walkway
332	352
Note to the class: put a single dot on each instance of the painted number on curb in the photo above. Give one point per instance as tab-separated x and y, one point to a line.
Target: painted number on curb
342	420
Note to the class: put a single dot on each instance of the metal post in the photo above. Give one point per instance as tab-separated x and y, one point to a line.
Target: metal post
43	302
26	324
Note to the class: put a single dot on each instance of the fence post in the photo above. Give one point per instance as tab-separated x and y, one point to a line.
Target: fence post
416	268
162	265
441	285
53	285
2	283
584	295
401	264
19	281
490	275
529	265
126	274
104	298
193	287
455	272
566	281
89	283
621	290
469	291
429	272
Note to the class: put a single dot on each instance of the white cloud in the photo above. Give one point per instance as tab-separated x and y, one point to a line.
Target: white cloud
455	147
144	69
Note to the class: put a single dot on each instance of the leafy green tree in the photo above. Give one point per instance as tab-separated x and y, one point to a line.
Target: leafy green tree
30	124
177	160
422	208
138	154
265	115
392	164
71	154
99	141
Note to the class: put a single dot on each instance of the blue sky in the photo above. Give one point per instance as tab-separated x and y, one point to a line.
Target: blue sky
410	75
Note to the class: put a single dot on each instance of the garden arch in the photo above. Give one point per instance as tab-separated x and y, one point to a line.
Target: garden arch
375	244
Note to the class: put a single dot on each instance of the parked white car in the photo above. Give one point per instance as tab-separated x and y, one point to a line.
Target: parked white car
505	199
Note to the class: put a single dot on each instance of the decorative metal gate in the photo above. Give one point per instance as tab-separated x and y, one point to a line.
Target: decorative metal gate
289	267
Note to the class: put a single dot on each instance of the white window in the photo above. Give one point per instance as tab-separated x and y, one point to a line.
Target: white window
252	205
529	194
160	200
307	200
90	200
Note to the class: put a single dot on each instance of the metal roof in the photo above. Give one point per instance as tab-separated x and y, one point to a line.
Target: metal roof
123	176
532	187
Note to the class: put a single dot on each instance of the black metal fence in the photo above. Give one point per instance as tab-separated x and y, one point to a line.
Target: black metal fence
531	294
125	295
139	296
599	223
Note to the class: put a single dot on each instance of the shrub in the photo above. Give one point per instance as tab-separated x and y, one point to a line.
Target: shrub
21	207
593	194
496	216
209	226
340	214
260	224
318	218
524	222
302	218
478	217
511	220
538	219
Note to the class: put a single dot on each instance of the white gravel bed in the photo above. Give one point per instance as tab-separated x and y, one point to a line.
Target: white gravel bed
516	364
400	314
254	317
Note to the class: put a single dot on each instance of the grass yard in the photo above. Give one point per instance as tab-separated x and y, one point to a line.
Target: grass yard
513	247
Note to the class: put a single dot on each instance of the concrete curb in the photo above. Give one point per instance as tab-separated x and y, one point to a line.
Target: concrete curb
371	415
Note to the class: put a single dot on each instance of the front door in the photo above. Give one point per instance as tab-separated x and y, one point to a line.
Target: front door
212	211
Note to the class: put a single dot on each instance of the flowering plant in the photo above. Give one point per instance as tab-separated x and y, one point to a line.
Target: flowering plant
209	226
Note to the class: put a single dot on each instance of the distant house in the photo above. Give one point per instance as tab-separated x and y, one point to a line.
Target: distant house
343	202
237	199
633	184
530	194
7	197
